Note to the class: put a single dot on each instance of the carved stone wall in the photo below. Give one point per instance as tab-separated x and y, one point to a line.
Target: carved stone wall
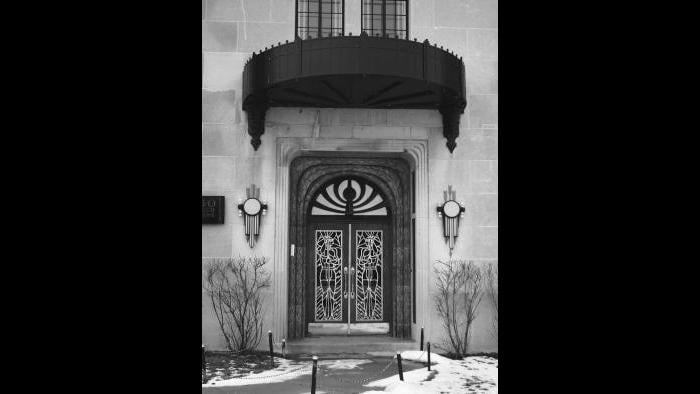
232	30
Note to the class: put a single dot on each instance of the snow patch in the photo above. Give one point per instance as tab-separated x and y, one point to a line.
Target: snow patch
343	364
469	375
284	370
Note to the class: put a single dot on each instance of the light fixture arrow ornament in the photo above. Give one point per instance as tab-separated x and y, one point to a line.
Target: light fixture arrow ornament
450	212
251	209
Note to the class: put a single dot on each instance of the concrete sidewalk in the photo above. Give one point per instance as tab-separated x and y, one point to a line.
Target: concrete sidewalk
340	375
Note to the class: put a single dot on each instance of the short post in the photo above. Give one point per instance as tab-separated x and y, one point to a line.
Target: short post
421	339
428	356
284	345
313	375
204	364
272	357
398	360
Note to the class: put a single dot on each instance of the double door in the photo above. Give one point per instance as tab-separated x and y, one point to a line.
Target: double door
350	278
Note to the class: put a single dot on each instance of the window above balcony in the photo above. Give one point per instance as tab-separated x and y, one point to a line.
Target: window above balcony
320	18
385	18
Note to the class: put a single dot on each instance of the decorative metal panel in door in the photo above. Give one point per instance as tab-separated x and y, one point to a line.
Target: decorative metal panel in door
329	275
348	289
369	300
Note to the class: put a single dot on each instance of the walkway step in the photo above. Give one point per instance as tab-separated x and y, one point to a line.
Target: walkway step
350	345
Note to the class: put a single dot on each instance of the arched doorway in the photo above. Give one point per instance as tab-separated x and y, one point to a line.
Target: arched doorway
349	267
349	227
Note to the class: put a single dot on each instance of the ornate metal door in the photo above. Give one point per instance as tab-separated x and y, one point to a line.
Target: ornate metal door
349	276
367	273
330	282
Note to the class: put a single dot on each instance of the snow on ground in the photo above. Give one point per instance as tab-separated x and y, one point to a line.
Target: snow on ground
284	370
343	364
469	375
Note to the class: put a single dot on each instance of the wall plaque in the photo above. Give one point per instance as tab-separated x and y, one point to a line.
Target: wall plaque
212	209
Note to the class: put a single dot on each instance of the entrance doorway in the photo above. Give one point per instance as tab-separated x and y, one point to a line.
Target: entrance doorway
350	262
349	225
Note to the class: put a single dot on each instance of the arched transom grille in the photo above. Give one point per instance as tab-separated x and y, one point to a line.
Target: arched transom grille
348	197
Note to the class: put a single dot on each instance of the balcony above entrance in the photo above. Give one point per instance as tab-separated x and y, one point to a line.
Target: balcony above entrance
355	72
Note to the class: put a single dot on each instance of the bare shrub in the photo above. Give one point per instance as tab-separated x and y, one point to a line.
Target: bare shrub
234	287
492	295
459	285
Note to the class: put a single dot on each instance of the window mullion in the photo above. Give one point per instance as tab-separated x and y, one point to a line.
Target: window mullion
320	17
384	18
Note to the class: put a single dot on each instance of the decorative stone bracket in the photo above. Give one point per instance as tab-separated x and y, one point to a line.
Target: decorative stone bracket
256	107
451	112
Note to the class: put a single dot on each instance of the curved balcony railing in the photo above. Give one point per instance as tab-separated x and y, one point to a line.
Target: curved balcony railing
355	72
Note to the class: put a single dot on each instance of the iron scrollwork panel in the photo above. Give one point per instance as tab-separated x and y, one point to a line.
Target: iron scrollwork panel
329	275
369	275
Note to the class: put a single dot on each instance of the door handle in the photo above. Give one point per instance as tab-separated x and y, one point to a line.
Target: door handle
345	284
350	283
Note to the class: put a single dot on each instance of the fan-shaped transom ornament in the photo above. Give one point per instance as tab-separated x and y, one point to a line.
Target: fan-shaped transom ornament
349	196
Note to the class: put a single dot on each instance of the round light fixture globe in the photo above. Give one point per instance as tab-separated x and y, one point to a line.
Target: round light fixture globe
252	206
451	209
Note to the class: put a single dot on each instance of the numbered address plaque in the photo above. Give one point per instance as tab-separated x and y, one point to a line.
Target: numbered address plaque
212	209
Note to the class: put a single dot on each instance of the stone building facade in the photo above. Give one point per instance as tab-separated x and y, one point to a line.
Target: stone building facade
232	30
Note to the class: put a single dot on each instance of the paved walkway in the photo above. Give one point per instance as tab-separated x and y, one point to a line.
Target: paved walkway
334	376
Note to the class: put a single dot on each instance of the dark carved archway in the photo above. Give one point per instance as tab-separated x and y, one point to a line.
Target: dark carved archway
392	177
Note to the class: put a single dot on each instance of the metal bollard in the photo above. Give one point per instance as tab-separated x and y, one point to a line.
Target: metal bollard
272	356
398	359
421	339
428	356
284	345
204	364
313	375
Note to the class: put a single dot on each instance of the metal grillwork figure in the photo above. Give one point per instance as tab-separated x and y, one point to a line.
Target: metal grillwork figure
450	212
329	275
251	209
369	277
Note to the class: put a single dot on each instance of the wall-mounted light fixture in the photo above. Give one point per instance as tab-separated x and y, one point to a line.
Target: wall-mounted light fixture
450	212
251	209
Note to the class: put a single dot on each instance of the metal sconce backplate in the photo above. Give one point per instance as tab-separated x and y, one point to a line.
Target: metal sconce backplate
450	212
251	210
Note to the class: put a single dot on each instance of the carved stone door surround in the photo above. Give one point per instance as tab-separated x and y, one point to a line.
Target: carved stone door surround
289	311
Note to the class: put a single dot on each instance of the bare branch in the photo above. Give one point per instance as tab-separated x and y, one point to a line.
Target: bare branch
460	290
235	287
